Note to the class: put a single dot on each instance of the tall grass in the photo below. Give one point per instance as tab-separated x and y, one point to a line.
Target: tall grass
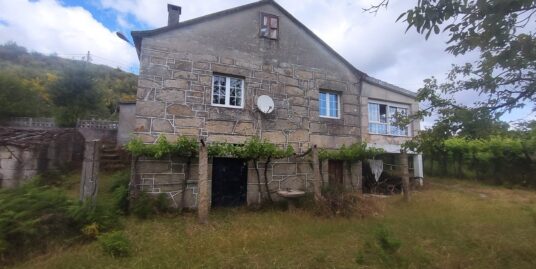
443	227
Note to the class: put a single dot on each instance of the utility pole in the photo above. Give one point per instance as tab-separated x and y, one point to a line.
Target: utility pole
88	57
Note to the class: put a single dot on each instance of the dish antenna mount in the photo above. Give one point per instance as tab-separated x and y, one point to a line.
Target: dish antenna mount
265	104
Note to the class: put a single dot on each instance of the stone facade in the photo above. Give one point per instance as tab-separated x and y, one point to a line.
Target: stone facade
175	91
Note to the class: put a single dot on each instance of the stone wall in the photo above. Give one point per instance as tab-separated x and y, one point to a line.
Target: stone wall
179	103
19	163
167	177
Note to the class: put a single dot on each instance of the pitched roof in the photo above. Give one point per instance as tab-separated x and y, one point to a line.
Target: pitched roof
139	35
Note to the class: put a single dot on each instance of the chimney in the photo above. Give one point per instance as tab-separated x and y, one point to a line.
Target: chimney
174	13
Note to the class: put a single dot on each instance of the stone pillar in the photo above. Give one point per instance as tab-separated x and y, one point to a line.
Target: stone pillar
203	207
357	174
90	171
317	181
404	172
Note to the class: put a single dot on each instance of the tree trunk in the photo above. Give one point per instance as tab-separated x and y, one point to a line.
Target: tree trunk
405	175
266	179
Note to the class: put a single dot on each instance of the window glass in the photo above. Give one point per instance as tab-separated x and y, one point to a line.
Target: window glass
382	119
329	104
323	104
383	113
218	96
227	91
374	112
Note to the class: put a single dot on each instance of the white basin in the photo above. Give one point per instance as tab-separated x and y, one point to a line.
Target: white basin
289	194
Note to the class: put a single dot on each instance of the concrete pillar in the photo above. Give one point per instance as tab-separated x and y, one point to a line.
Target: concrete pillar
317	181
418	166
90	171
357	173
404	172
204	202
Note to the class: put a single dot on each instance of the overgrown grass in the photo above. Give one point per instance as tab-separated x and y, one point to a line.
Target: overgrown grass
445	226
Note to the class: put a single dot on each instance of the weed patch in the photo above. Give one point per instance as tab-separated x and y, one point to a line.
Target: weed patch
115	244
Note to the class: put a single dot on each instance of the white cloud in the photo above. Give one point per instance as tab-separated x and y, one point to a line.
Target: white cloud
48	27
376	45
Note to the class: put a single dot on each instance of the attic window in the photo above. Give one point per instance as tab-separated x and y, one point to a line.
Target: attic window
269	26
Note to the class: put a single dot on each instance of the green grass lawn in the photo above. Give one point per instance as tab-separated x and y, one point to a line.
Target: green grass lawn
450	224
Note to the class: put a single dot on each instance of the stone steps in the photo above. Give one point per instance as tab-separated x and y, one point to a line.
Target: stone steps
111	158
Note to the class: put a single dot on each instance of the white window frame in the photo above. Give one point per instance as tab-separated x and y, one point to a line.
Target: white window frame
228	92
388	123
328	104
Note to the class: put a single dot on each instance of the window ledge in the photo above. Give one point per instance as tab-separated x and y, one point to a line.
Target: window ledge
226	106
390	135
330	118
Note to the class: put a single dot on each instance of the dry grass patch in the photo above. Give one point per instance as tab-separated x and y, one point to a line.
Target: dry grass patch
441	228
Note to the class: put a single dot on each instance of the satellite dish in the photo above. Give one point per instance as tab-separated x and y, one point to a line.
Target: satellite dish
265	104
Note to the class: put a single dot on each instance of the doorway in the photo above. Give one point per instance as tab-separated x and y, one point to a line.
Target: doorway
335	173
229	182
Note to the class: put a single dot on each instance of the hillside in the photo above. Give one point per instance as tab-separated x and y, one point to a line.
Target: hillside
36	73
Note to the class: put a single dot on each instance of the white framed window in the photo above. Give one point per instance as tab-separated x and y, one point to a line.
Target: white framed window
382	117
329	103
227	91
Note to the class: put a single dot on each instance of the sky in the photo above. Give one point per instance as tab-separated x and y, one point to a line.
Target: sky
373	43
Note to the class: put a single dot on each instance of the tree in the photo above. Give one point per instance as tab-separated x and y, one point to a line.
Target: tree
75	95
500	31
16	99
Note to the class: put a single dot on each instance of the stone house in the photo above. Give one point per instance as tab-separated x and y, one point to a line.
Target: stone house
202	78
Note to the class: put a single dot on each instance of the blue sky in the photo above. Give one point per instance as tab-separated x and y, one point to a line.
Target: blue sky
375	44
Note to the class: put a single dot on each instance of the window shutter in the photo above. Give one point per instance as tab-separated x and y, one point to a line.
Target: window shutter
269	27
273	23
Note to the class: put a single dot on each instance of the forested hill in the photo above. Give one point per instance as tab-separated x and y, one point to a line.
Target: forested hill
36	79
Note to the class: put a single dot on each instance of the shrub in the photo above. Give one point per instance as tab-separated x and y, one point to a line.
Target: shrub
383	250
119	179
143	206
338	202
387	241
33	215
120	191
120	199
162	203
29	215
83	214
115	244
91	230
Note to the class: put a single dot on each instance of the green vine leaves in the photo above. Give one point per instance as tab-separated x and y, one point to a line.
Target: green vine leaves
354	152
253	149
